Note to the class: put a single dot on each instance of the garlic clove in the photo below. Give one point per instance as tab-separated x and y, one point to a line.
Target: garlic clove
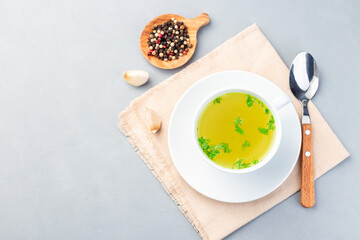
153	120
136	77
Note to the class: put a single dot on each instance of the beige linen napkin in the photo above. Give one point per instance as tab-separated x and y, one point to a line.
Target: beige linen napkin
248	51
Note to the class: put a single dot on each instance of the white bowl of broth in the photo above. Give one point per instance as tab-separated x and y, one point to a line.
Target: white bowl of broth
237	130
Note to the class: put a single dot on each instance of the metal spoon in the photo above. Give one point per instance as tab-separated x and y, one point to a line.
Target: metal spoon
304	82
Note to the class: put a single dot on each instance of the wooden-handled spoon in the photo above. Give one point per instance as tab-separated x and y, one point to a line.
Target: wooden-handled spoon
192	24
304	82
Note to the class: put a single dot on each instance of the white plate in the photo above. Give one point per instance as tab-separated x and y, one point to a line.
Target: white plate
216	184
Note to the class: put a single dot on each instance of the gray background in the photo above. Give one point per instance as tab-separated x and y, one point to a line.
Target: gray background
66	172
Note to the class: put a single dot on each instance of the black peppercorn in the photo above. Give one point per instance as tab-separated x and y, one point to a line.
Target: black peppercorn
169	40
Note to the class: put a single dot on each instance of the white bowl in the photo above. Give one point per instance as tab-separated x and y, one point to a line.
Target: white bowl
273	104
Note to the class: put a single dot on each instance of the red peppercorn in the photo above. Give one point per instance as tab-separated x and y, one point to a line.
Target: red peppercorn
160	35
164	46
157	41
184	52
149	53
171	53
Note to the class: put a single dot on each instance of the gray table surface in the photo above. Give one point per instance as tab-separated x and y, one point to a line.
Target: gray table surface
66	172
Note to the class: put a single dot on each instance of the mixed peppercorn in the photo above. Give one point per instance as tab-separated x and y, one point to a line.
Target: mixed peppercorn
169	41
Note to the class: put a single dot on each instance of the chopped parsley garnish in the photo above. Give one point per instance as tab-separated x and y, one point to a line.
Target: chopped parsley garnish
270	126
217	100
212	150
224	147
261	103
239	164
250	100
255	161
271	123
267	111
245	145
238	123
264	131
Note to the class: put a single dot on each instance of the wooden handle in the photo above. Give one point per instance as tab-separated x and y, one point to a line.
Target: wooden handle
201	20
307	173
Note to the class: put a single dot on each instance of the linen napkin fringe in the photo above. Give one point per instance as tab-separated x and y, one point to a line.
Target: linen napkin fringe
170	186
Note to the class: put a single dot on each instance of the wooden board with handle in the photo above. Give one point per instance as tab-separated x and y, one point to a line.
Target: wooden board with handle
192	24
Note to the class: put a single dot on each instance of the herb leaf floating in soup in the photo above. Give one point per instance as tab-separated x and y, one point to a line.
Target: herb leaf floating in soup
245	144
271	123
212	150
240	164
264	131
217	100
270	126
238	123
267	111
250	100
233	121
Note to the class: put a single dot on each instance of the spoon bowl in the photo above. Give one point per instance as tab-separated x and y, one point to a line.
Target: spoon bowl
192	24
304	77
